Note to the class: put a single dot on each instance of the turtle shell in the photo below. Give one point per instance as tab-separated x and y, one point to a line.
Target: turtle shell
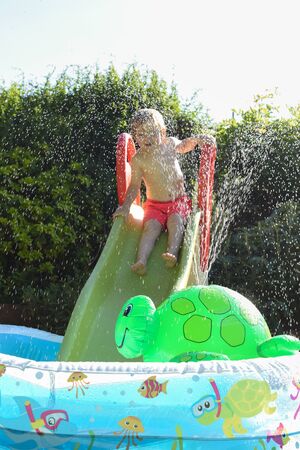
247	398
207	319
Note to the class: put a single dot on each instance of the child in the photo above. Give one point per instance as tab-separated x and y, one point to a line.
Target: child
167	205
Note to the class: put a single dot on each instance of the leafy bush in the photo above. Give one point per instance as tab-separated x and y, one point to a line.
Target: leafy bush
58	188
46	237
268	147
256	211
262	262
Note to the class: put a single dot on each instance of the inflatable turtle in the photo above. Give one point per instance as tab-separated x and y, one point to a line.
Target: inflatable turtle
246	398
201	322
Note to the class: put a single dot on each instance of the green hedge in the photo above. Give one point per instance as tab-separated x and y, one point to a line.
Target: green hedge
259	256
58	187
58	190
262	262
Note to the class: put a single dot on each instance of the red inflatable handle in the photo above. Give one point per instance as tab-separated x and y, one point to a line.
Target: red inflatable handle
125	151
205	190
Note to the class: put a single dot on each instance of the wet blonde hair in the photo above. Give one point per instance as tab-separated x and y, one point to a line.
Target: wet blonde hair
147	116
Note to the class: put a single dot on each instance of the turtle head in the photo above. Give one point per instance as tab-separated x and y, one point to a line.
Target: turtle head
133	325
204	410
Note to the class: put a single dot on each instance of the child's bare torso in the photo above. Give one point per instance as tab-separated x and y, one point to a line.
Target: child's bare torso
161	171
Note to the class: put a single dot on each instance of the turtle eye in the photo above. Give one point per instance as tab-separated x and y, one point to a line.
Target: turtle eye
207	405
127	310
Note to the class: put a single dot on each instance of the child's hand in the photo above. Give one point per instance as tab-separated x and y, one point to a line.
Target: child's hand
121	211
206	139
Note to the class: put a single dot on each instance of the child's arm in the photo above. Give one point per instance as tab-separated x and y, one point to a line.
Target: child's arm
188	144
132	191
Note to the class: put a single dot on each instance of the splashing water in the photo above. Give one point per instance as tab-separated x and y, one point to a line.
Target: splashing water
249	152
262	259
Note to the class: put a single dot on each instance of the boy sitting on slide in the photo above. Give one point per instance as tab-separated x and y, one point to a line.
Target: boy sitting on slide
167	205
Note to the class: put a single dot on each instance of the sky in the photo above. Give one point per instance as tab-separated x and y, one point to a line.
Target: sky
226	50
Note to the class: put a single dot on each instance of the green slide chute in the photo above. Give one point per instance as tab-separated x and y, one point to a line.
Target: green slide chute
90	333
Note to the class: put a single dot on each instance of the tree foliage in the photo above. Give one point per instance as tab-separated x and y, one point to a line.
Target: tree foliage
58	190
260	255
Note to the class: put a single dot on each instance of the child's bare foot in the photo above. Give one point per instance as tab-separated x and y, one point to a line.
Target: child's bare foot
170	259
139	268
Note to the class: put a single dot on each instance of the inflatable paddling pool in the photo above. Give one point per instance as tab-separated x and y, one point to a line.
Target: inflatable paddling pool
53	395
47	404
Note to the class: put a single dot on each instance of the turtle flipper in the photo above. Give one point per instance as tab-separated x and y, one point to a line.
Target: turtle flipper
279	346
198	356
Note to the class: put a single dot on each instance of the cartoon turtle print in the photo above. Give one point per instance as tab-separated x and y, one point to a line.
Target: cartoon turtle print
200	322
246	398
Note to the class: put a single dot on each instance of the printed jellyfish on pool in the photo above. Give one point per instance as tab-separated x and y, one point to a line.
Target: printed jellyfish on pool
78	381
131	427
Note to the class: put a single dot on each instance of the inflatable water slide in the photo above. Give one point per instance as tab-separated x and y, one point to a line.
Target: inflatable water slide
236	388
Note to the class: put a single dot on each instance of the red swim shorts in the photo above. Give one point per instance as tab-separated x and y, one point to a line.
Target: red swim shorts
161	211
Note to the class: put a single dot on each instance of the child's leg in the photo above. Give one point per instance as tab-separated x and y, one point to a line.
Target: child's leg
175	228
151	231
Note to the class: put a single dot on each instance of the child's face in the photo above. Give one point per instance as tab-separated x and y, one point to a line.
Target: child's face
148	136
